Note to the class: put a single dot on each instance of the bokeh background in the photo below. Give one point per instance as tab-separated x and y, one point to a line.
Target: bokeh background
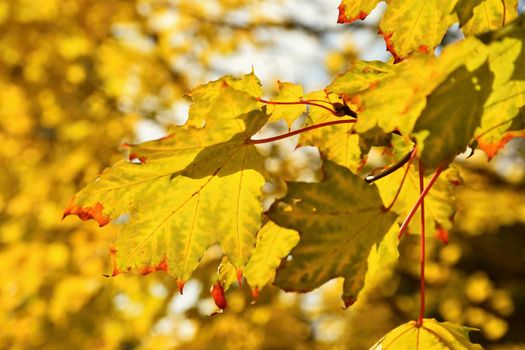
80	77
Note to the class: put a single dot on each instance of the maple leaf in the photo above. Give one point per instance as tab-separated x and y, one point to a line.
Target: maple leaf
431	335
339	220
167	197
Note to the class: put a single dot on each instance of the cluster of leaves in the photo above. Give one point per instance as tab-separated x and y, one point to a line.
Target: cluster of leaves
75	76
201	185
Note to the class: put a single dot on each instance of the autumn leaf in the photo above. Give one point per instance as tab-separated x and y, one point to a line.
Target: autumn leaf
431	335
339	220
165	198
447	124
351	11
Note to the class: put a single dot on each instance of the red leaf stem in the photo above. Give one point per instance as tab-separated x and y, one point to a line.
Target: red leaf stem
434	178
299	131
422	254
305	102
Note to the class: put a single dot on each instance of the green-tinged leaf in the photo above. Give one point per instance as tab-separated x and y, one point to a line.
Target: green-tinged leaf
381	261
432	335
273	244
439	203
339	220
288	92
479	16
398	99
168	196
449	120
352	10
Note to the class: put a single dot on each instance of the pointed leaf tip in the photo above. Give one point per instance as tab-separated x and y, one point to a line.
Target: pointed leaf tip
217	292
180	285
86	213
239	276
255	293
442	234
348	301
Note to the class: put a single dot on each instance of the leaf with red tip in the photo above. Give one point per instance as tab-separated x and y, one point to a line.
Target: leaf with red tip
167	199
442	234
239	276
217	292
180	286
255	293
504	111
492	149
339	220
353	10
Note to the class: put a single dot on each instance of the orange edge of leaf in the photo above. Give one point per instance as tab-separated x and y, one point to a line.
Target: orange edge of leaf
390	45
343	19
86	213
492	149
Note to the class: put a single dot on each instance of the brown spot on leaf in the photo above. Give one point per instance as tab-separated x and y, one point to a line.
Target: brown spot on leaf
145	270
134	156
86	213
217	292
162	266
423	49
